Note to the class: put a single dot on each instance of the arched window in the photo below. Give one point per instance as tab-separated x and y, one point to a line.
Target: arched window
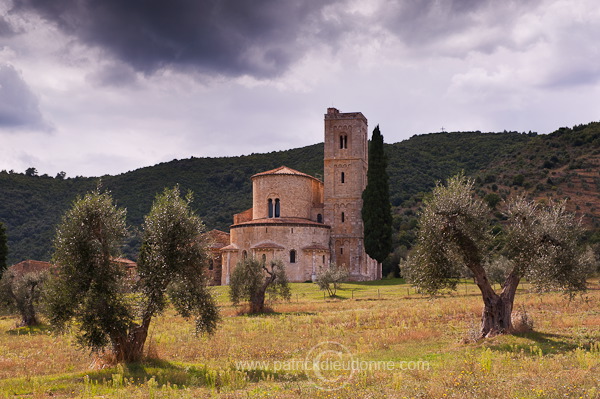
323	259
211	264
293	256
319	218
244	254
343	217
264	259
270	205
343	177
277	208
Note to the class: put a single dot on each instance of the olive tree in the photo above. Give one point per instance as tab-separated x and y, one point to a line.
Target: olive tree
455	233
173	262
252	279
90	287
21	292
330	279
86	286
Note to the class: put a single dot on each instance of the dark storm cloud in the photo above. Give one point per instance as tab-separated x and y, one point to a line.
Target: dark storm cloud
118	75
18	104
427	22
5	28
230	37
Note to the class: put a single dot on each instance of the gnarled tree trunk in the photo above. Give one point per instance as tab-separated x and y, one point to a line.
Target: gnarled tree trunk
129	347
25	303
257	298
497	309
496	317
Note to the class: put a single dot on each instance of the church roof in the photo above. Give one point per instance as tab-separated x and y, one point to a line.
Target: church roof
230	247
284	170
315	247
218	239
267	245
281	221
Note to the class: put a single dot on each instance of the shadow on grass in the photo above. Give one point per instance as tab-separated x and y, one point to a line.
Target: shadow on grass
31	330
273	313
378	283
546	342
162	373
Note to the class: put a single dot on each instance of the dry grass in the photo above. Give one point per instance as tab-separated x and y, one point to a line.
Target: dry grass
383	323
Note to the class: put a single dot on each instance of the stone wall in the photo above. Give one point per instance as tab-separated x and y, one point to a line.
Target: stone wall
310	241
297	195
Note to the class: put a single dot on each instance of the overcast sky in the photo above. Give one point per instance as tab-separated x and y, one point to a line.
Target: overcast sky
102	87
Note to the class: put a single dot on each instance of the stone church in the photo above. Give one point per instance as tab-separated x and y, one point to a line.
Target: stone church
303	221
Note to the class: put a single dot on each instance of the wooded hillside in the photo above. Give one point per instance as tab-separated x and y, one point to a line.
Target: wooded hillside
562	164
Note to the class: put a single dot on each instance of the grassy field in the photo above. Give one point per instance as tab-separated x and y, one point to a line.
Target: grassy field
378	340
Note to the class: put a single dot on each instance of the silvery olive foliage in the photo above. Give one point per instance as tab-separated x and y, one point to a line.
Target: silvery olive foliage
542	245
330	279
173	260
90	288
454	232
252	279
22	292
498	268
87	284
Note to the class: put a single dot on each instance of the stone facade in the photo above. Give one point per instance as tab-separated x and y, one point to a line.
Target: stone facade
216	240
304	222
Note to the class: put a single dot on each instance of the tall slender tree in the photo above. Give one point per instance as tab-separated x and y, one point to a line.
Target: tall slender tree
3	249
377	210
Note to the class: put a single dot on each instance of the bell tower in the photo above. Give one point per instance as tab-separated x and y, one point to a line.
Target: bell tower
345	178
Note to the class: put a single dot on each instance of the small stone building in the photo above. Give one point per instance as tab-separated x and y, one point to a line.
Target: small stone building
30	266
217	239
305	222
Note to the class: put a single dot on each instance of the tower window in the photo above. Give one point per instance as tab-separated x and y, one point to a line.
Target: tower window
293	256
343	177
270	205
319	218
343	141
244	254
342	251
264	259
343	217
277	208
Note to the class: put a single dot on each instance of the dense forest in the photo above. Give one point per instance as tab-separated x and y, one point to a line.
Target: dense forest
559	165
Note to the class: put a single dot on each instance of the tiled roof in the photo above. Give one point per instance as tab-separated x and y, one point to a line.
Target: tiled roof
218	239
28	266
230	247
125	262
284	170
281	221
267	245
315	247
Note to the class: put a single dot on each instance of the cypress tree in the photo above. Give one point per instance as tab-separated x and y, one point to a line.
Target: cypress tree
3	249
377	210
